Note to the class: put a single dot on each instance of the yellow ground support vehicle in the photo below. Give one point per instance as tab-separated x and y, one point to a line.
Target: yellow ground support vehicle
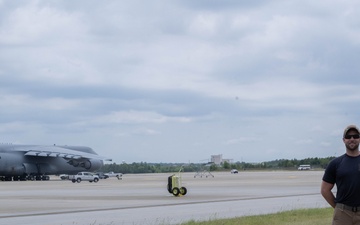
174	185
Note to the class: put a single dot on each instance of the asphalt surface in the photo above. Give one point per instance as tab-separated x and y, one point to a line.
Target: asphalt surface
144	200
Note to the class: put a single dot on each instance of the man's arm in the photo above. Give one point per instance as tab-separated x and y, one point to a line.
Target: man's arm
327	194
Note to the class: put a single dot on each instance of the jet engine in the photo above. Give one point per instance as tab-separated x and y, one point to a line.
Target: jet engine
11	164
88	164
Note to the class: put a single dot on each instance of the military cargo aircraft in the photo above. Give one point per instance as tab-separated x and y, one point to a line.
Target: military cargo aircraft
37	162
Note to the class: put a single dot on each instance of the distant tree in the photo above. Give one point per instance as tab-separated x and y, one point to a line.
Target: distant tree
144	167
226	165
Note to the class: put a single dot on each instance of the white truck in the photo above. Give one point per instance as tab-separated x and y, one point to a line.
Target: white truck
112	174
304	167
86	176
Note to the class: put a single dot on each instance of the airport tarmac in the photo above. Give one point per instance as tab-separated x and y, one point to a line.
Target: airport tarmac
143	199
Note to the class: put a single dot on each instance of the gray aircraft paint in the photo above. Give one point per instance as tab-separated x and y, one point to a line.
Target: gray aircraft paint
22	161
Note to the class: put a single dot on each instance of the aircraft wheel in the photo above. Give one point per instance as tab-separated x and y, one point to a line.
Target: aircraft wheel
96	180
176	191
183	190
78	180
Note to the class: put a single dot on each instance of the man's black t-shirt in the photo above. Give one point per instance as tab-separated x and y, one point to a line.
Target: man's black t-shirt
344	171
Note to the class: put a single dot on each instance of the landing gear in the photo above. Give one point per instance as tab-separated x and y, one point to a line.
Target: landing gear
17	178
24	178
42	177
7	178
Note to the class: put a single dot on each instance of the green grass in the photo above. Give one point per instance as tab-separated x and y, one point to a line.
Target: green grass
321	216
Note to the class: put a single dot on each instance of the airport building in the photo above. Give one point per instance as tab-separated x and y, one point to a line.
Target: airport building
218	159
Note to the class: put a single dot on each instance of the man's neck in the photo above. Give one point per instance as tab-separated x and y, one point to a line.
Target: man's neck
353	153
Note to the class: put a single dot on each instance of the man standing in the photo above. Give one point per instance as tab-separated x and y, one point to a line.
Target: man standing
344	171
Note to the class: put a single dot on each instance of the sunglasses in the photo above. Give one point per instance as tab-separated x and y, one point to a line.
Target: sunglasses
349	136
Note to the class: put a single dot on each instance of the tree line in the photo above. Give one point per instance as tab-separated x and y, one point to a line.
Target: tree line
281	164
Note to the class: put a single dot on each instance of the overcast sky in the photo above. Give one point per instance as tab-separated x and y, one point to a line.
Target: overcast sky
179	81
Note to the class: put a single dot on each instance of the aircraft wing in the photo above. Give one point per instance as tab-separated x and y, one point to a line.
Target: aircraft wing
57	151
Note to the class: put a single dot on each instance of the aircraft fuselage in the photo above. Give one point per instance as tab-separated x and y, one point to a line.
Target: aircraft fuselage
24	161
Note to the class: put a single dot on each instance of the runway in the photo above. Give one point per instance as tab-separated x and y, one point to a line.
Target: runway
143	198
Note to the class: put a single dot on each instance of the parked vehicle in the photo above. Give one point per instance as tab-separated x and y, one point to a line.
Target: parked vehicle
64	176
112	174
102	175
86	176
304	167
234	171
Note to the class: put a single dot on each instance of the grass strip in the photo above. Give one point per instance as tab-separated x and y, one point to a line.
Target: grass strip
319	216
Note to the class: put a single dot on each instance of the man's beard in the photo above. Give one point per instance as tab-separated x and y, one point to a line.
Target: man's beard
352	146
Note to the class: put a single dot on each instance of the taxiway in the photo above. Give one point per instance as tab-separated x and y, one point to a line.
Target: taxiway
143	199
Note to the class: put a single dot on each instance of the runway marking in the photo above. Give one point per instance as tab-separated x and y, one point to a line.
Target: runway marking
151	206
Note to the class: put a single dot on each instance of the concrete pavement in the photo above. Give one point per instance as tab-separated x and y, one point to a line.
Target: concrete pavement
144	199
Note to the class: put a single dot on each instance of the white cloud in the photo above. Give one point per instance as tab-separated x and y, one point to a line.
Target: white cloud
198	78
36	24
